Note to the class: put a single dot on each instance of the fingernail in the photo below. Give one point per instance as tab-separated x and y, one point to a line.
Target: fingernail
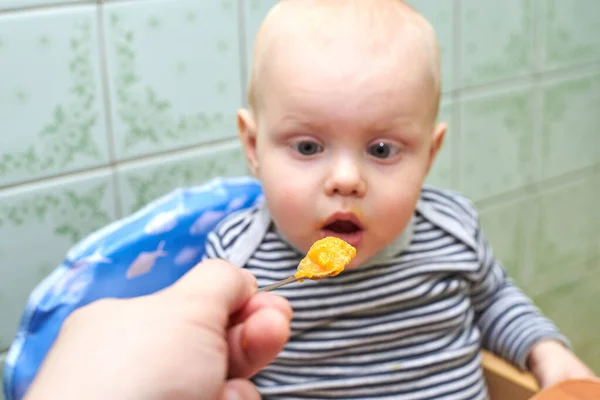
231	394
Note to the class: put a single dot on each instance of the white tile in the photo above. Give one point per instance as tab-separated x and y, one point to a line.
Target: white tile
51	108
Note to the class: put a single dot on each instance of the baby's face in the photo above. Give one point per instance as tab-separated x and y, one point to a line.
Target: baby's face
342	145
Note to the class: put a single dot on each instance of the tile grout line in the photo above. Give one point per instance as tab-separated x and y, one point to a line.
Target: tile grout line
456	95
110	136
537	137
560	73
44	7
539	42
202	147
242	52
526	272
570	280
538	188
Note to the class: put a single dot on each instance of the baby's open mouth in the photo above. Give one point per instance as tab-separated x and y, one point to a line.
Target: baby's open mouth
345	226
342	226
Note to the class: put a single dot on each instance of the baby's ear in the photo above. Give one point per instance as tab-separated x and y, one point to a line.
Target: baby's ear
247	131
437	140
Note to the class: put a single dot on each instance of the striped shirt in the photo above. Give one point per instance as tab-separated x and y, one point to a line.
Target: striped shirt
409	324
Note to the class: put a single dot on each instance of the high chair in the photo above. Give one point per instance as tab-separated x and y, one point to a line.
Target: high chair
148	251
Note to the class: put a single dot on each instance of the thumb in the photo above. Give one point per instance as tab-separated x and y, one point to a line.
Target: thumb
239	389
255	343
214	285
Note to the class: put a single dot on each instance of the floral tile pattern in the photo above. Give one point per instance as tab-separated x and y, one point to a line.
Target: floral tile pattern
509	229
141	183
570	121
496	151
572	32
174	73
37	227
15	4
496	40
564	234
580	323
51	58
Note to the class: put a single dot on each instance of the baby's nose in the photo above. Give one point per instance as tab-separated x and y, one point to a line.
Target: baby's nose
346	179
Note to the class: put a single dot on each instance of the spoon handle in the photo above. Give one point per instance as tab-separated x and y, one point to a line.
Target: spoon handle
275	285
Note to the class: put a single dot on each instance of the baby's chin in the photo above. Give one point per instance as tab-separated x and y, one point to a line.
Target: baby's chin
358	261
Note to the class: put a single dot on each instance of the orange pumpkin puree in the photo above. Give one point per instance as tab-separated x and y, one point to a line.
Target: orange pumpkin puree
326	257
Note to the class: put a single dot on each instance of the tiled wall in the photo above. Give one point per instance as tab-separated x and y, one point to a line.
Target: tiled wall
106	106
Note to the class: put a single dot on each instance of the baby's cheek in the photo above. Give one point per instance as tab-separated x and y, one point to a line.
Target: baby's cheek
286	201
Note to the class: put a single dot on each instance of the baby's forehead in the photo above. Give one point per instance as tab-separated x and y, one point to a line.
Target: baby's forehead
376	25
376	31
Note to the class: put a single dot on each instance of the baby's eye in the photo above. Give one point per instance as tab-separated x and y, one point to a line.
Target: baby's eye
308	148
383	150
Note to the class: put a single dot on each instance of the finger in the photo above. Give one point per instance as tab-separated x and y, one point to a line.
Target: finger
258	301
217	284
256	342
240	389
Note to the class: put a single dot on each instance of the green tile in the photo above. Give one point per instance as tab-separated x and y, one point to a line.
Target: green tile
52	118
140	183
174	73
442	173
574	309
509	230
570	121
2	358
595	218
496	40
563	243
572	32
14	4
496	143
440	15
254	13
590	355
37	226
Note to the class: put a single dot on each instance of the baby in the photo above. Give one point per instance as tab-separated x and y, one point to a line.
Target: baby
342	132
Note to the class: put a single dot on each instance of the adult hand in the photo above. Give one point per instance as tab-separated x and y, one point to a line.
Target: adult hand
200	338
